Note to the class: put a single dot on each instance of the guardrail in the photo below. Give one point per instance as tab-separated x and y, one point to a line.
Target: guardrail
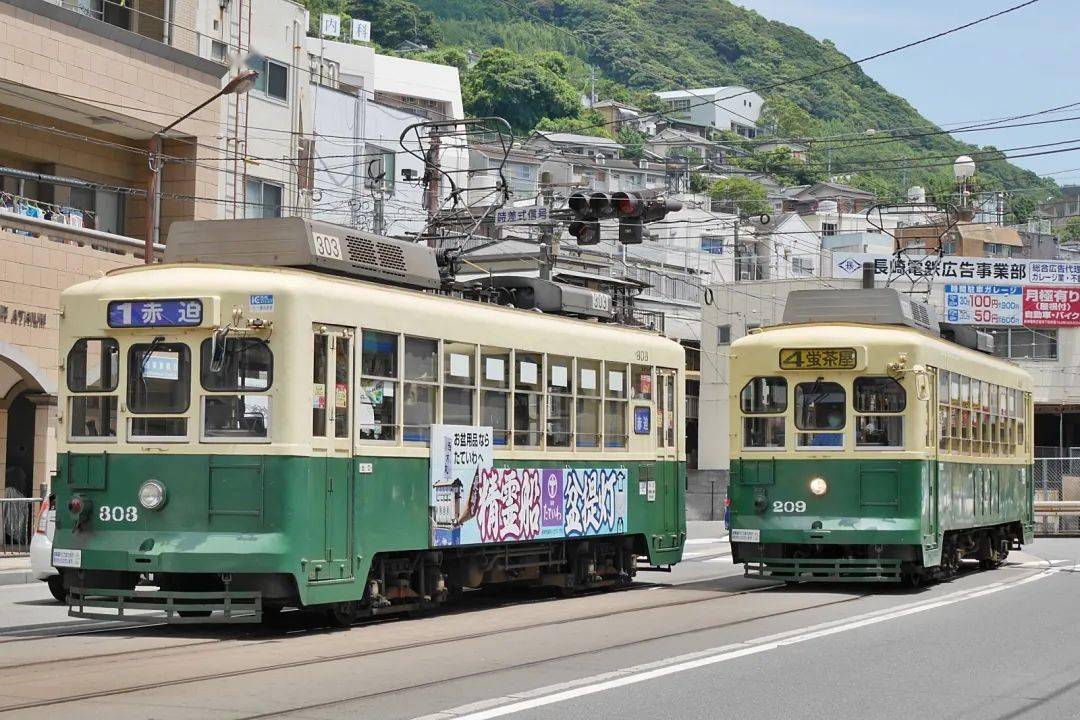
71	235
17	518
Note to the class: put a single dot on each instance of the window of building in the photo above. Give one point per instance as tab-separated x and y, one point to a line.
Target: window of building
528	398
381	170
802	266
820	407
376	402
723	334
263	199
273	80
1026	343
828	229
712	244
219	51
878	402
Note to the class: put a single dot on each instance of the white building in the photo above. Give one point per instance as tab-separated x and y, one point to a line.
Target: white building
733	108
265	148
364	101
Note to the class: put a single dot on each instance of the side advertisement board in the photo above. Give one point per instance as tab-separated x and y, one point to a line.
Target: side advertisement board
983	304
474	502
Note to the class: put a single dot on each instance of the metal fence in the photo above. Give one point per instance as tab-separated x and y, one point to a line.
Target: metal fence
17	519
1056	480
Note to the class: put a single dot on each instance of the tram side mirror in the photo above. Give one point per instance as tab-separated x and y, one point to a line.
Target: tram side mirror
922	383
217	349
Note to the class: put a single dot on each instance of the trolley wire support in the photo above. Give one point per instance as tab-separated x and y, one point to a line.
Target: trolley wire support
456	213
937	222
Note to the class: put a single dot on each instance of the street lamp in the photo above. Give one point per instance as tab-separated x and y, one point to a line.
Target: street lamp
238	85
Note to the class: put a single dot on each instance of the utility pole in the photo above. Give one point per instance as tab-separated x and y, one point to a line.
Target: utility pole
592	87
433	184
549	250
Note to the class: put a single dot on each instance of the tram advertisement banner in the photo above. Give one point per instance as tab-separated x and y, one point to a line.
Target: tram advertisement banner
473	502
1047	306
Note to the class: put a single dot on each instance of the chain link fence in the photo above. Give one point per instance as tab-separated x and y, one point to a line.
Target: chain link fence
17	518
1057	479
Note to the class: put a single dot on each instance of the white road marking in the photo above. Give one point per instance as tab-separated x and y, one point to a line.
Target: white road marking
723	559
707	541
511	704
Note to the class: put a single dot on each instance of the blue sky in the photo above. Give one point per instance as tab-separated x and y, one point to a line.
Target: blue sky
1019	63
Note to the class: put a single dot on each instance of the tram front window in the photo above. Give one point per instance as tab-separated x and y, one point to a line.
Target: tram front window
873	398
820	407
763	396
159	383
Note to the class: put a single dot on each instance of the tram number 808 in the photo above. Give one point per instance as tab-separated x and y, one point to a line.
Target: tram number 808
789	506
118	513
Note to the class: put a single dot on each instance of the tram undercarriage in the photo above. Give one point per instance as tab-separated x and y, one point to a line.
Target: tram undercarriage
792	563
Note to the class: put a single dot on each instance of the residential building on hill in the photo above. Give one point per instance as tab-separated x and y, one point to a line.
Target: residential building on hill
733	108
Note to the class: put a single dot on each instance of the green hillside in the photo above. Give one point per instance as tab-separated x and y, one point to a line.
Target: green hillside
546	47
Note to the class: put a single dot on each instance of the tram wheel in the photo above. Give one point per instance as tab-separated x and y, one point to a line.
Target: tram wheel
343	614
56	587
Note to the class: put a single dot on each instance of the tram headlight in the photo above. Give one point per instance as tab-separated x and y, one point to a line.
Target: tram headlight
818	486
152	495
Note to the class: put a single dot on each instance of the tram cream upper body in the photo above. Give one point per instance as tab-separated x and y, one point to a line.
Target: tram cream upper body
303	299
877	347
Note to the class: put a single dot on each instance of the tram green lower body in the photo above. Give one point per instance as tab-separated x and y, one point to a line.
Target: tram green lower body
315	520
878	519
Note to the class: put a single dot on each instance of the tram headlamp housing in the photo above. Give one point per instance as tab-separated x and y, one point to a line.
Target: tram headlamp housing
818	486
152	494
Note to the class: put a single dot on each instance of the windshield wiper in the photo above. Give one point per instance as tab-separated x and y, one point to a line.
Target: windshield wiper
154	345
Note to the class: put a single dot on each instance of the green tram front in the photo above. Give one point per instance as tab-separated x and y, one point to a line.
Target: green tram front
873	451
236	439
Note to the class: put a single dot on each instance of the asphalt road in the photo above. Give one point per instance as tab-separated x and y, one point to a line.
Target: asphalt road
701	642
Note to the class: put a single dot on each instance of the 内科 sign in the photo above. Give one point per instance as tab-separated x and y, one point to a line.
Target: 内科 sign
818	359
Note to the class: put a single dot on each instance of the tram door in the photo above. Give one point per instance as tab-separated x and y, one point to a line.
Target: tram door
667	450
331	490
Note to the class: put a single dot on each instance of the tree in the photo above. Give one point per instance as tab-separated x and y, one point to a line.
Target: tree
633	141
396	21
589	123
1070	232
742	195
518	88
699	182
1021	208
783	118
453	56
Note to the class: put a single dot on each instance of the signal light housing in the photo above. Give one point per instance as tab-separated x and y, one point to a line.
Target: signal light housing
587	232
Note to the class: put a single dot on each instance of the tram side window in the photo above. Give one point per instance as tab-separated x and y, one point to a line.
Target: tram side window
820	408
235	365
318	384
376	401
588	404
615	391
93	366
528	398
495	393
421	388
878	402
642	378
159	382
760	396
560	398
459	374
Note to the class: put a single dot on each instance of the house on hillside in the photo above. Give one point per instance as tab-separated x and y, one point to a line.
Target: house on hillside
799	150
733	108
807	198
672	142
619	116
593	145
965	239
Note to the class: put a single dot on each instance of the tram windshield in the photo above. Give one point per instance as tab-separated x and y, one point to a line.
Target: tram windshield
820	406
159	377
241	364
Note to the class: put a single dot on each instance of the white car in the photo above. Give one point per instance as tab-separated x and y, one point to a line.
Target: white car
41	550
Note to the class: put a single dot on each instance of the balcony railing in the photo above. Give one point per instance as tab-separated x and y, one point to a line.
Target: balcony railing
68	234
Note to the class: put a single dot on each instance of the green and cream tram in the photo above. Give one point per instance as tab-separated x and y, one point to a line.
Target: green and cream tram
865	447
239	438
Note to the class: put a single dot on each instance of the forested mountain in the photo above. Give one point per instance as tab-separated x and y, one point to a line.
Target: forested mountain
530	60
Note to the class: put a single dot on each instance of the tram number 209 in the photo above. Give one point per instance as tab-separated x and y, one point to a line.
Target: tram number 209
118	513
788	506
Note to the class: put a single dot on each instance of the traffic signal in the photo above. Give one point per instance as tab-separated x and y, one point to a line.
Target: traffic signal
587	232
634	210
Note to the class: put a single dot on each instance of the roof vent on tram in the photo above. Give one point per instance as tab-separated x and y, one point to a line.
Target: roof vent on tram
308	244
873	306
